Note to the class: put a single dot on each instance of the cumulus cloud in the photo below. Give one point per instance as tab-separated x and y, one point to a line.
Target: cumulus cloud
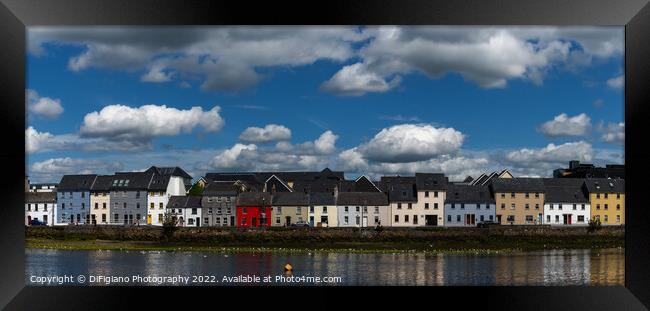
613	133
563	125
616	82
324	144
271	132
551	155
43	106
238	156
411	142
119	122
224	58
487	56
36	142
53	169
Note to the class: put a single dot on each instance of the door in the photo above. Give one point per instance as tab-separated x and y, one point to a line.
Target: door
498	218
148	219
29	220
232	220
287	221
254	222
198	223
311	221
470	219
365	221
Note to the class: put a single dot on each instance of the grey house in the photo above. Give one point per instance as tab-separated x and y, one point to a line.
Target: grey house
218	203
129	197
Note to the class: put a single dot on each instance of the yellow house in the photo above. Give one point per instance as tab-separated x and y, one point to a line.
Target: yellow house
607	199
519	201
289	208
100	201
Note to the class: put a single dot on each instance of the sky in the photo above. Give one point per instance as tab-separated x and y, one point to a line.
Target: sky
369	101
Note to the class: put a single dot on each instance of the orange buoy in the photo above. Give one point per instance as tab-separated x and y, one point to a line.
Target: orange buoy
288	268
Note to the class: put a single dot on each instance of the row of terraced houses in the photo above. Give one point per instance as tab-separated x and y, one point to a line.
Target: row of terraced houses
324	199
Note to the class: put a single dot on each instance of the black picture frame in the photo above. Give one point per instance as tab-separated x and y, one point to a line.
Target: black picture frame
15	15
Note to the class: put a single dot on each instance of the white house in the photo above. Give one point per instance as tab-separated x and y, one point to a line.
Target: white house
187	210
40	206
322	210
431	192
362	209
164	184
73	199
566	202
468	205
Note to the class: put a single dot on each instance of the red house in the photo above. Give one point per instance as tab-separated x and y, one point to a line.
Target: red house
254	209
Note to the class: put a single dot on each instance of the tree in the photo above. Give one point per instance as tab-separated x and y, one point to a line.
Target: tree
594	225
169	225
196	190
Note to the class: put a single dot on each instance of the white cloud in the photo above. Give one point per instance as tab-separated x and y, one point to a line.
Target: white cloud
563	125
54	169
616	82
225	58
43	106
119	122
36	142
356	80
613	133
411	142
271	132
551	155
237	157
324	144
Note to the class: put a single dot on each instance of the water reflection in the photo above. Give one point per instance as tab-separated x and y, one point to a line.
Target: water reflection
551	267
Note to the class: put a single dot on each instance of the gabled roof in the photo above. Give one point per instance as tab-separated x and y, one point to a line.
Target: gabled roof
462	193
274	180
171	171
290	199
565	190
40	197
362	198
221	188
181	201
321	198
76	182
602	185
518	185
399	189
102	183
430	181
254	199
479	179
364	184
159	182
125	181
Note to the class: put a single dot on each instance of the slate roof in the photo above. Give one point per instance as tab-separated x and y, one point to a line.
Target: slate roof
364	184
159	182
565	190
102	183
290	199
254	199
132	181
76	182
399	189
321	198
463	193
221	189
430	181
602	185
180	201
362	198
40	197
257	179
518	185
172	171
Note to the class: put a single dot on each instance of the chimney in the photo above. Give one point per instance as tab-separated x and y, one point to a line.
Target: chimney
336	191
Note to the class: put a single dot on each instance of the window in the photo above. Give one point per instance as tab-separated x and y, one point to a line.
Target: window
218	220
193	211
435	205
435	194
209	211
536	195
529	218
346	220
160	206
299	210
597	195
243	210
124	204
62	205
243	221
487	206
462	205
581	218
277	220
536	205
83	194
45	207
311	209
527	206
618	207
557	218
137	216
205	220
410	206
357	209
598	206
503	195
160	218
527	195
559	207
415	219
548	218
605	195
478	206
575	207
426	194
323	219
219	210
448	218
482	218
583	207
345	209
324	209
279	209
512	195
83	205
453	205
606	218
137	205
512	206
365	209
618	196
376	220
103	217
618	218
399	206
29	207
358	218
406	218
137	194
511	218
376	209
116	217
96	205
503	206
491	217
190	221
457	218
396	218
151	206
426	205
606	206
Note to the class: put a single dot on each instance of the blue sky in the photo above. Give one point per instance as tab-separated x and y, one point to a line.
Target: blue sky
367	100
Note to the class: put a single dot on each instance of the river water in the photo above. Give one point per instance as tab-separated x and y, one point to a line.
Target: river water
549	267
